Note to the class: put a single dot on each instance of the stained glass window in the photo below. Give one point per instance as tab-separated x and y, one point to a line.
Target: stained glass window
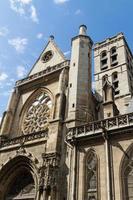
128	183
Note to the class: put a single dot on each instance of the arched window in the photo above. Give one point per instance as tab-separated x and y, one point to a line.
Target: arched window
91	176
113	56
37	113
103	61
115	82
127	176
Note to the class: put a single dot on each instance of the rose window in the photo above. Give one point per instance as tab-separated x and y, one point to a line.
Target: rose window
47	56
37	115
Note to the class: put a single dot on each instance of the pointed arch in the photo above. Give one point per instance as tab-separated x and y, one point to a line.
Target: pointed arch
91	182
18	179
126	174
33	95
36	112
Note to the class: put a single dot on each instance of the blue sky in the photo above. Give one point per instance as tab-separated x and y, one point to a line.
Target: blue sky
25	26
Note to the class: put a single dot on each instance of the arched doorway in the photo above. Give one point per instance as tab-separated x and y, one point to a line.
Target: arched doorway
22	187
18	180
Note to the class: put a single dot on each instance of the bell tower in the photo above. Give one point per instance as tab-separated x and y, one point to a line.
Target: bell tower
79	102
113	58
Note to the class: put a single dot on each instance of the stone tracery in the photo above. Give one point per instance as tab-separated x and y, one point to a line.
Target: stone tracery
91	176
127	175
37	115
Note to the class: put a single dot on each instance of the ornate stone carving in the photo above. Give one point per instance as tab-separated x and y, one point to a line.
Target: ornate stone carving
26	138
49	171
97	127
21	151
37	115
51	159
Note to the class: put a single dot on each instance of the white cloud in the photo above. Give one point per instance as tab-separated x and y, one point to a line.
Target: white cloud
19	44
4	31
39	35
21	71
34	14
78	12
3	76
67	53
17	6
60	1
25	1
24	8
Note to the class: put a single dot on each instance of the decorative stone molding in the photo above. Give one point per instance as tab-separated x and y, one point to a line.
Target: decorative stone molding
51	159
48	178
49	171
21	152
45	72
5	142
3	138
108	41
94	128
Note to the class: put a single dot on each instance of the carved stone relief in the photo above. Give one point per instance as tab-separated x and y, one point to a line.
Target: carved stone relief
49	171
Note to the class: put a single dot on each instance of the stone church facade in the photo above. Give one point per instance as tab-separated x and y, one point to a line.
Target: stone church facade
61	141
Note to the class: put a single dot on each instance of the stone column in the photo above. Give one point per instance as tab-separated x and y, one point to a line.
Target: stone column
74	169
108	166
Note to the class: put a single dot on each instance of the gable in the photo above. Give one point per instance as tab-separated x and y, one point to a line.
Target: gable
50	56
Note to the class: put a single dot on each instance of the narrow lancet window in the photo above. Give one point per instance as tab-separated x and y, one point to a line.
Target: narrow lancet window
127	176
91	176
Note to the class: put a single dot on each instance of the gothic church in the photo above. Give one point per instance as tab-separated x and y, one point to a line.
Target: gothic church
59	140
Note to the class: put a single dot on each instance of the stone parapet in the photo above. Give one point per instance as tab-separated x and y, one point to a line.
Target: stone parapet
43	73
5	142
97	127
